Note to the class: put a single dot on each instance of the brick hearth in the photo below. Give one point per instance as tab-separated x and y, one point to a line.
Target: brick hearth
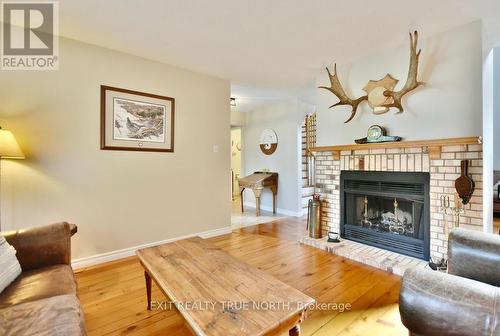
443	172
373	256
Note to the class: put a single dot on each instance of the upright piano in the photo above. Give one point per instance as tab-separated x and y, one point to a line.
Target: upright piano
257	182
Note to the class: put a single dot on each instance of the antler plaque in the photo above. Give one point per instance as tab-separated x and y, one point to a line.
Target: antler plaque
380	94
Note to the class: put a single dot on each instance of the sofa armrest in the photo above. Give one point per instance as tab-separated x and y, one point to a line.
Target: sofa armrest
474	255
435	303
43	245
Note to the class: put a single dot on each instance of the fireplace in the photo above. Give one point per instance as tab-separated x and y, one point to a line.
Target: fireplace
389	210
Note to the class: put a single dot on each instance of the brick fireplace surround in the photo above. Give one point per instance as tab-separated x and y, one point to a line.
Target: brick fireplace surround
444	169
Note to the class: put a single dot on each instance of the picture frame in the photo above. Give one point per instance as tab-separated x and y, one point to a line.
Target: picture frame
136	121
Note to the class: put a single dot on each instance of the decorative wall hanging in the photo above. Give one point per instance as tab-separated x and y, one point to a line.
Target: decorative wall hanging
377	133
268	141
464	184
380	94
136	121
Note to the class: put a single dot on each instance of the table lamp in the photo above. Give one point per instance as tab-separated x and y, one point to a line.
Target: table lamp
9	149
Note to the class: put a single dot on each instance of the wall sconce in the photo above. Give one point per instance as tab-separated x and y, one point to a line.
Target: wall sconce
233	101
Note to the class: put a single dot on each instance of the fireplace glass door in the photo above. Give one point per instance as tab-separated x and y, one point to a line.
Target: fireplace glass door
396	215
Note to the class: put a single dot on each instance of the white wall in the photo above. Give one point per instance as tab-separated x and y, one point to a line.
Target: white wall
449	105
118	199
491	115
496	108
285	119
488	94
491	33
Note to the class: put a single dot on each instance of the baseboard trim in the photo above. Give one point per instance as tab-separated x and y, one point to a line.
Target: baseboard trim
130	251
278	210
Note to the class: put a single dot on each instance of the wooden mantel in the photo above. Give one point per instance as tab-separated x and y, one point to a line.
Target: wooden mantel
432	147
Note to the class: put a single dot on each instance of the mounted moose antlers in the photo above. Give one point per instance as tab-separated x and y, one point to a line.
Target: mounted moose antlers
380	94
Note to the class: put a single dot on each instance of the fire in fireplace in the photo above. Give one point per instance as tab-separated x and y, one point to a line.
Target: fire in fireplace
389	210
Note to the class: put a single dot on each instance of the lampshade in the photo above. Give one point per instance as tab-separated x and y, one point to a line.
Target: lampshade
9	149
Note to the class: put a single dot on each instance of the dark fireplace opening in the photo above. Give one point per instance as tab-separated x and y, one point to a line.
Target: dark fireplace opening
389	210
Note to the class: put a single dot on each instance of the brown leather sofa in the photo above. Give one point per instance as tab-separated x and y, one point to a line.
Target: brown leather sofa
466	300
43	299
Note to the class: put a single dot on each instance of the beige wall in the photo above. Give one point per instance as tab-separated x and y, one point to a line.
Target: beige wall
118	199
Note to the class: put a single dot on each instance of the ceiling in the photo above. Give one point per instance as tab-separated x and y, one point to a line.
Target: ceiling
278	46
249	98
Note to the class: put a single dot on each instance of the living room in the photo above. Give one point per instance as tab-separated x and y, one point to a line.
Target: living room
249	168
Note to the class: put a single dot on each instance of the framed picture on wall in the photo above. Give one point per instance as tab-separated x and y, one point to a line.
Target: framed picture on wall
136	121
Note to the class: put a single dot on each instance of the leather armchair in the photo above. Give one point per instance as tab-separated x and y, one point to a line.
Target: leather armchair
466	300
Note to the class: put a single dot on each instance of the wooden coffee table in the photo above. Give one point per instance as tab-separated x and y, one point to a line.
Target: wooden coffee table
218	294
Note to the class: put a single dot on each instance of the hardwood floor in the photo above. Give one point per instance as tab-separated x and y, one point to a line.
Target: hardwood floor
113	295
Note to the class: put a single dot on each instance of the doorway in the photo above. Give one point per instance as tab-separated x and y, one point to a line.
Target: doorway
235	160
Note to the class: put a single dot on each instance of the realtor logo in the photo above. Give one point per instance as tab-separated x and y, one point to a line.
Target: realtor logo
29	37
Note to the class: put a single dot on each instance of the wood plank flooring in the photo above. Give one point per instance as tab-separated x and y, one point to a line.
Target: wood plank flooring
114	299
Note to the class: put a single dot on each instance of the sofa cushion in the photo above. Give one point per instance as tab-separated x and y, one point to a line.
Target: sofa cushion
56	316
9	265
39	284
